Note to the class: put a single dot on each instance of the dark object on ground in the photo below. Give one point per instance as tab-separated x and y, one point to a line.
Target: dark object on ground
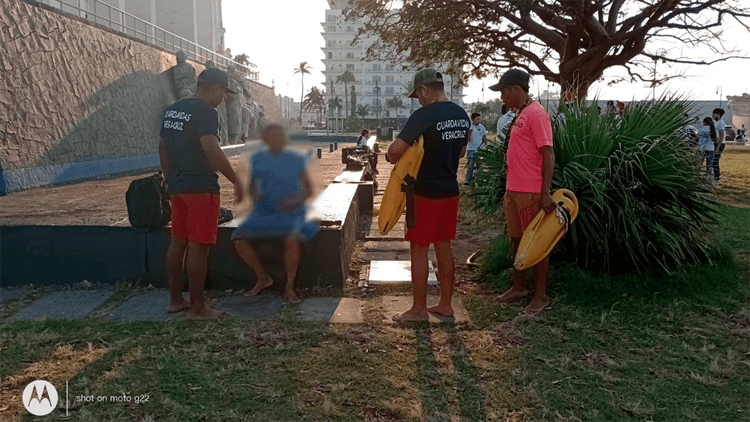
148	203
225	215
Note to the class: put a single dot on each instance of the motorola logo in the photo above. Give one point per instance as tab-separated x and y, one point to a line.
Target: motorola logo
40	398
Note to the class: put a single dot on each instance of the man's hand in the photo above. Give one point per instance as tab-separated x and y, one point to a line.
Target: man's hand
548	204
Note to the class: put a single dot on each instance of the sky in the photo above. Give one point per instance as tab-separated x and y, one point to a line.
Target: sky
279	34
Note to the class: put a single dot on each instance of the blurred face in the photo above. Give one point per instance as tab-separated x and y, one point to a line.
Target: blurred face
275	139
511	95
717	116
477	120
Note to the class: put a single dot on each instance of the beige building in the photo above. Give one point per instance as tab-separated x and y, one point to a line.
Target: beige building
375	82
197	21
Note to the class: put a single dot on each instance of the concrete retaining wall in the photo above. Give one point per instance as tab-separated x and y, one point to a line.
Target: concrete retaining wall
76	97
44	255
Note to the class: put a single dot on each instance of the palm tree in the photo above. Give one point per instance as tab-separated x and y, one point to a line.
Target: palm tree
395	103
315	100
244	60
346	77
302	69
409	87
336	103
362	111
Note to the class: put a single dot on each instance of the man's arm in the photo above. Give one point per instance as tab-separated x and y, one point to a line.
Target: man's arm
396	150
548	168
720	136
219	161
164	159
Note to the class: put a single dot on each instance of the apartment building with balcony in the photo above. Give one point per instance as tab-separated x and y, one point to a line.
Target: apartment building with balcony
375	82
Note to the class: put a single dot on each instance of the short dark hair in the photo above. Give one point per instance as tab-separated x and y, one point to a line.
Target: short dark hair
719	111
474	115
365	132
270	127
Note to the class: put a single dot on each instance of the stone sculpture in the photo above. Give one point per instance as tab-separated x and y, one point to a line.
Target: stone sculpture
234	106
183	76
222	109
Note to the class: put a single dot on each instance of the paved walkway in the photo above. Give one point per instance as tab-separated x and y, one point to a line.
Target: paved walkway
387	262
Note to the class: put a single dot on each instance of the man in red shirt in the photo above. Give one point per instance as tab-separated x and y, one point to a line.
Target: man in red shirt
531	162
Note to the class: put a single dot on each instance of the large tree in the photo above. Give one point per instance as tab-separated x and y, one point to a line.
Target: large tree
569	42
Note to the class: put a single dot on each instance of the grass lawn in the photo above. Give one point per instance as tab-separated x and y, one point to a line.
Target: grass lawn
673	348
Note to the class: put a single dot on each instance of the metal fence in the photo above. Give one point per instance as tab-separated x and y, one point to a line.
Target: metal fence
120	21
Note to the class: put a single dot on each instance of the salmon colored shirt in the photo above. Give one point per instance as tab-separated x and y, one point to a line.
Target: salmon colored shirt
531	131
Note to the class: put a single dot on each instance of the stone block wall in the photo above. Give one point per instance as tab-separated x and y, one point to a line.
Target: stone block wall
76	98
73	92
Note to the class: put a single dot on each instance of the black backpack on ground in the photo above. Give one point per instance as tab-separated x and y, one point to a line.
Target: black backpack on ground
148	203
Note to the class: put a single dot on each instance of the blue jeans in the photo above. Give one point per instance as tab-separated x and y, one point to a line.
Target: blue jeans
470	165
717	157
709	156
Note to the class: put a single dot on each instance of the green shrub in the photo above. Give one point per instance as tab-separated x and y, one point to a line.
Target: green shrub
644	201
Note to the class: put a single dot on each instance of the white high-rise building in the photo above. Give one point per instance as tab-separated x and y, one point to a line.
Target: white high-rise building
375	82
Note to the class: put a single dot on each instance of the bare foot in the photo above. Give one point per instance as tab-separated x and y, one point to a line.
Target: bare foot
446	311
206	314
178	306
411	316
512	294
292	297
261	284
538	305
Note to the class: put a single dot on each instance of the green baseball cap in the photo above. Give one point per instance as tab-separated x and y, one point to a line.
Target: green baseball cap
425	76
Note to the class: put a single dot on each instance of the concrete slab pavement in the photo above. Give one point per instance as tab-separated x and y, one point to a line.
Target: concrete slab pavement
148	306
337	310
75	304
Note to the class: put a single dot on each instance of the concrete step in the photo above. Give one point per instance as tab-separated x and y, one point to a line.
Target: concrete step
395	272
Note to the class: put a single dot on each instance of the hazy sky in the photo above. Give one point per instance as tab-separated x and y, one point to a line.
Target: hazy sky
279	34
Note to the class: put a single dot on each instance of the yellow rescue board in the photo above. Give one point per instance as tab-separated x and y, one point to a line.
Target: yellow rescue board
394	200
545	230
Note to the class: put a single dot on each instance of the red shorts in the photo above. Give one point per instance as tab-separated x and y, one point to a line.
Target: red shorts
520	209
195	216
435	220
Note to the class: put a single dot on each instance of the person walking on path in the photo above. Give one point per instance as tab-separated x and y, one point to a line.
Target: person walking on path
190	156
722	135
531	162
444	126
477	138
279	186
708	141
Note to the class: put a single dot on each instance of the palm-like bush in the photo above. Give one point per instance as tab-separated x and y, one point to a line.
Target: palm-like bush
644	201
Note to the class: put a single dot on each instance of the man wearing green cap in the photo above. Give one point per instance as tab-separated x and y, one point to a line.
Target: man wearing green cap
531	162
444	126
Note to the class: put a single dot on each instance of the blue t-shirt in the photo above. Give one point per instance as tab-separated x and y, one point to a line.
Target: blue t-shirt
444	126
276	177
183	124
